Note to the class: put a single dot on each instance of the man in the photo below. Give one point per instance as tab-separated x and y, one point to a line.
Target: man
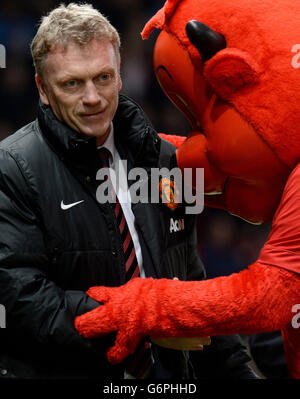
56	238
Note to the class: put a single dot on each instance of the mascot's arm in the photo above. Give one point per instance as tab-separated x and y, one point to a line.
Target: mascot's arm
255	300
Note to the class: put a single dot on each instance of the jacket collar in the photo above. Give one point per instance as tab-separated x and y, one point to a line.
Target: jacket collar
135	137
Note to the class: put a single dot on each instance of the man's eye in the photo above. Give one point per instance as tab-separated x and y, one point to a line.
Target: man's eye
104	77
71	83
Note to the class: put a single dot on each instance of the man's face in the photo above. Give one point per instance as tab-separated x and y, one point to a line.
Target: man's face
81	84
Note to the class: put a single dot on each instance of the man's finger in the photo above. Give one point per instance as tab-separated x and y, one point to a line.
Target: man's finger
182	343
204	340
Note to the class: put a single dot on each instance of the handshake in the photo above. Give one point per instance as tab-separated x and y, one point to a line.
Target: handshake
142	307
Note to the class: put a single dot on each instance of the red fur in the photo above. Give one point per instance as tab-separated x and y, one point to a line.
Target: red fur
267	30
246	303
176	140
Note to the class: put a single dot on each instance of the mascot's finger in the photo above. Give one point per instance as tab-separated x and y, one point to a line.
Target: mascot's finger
95	323
122	348
117	353
100	293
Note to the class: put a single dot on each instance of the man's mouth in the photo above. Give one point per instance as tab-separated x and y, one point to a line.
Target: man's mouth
91	115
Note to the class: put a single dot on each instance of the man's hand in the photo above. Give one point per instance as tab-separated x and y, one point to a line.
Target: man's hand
182	344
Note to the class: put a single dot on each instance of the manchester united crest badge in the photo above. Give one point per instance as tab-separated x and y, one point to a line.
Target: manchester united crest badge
169	193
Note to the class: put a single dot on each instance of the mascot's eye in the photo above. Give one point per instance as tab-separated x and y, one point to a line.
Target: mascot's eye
207	41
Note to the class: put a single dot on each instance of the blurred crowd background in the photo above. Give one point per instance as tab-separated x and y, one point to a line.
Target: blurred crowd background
226	244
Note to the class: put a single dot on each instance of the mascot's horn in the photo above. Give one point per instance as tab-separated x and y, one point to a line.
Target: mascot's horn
207	41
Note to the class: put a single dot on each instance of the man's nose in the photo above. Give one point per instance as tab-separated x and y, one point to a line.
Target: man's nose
91	95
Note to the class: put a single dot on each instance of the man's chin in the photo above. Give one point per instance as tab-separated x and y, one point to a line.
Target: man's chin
101	135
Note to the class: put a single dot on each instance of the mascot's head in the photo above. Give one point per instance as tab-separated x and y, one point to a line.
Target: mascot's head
233	68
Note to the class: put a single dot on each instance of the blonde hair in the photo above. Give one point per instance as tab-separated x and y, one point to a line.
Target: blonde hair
76	23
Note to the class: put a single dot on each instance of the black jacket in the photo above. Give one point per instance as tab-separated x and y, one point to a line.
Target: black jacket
49	257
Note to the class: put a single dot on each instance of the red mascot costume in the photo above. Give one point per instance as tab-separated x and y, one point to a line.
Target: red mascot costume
233	68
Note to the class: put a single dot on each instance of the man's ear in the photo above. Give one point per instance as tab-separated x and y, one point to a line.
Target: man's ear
42	91
119	82
230	71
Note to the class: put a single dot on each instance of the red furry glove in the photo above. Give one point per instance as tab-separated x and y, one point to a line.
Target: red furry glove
257	299
134	310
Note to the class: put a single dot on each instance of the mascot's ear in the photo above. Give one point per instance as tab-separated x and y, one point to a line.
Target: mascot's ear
231	70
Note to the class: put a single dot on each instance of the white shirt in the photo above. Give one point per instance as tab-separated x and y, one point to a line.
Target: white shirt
123	194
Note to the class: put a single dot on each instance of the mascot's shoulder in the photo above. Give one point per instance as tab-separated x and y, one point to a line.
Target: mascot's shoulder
294	177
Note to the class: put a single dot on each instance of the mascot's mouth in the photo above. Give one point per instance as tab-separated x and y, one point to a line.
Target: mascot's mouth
184	107
167	83
194	151
197	138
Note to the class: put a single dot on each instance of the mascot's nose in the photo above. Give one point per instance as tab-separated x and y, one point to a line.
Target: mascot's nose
207	41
